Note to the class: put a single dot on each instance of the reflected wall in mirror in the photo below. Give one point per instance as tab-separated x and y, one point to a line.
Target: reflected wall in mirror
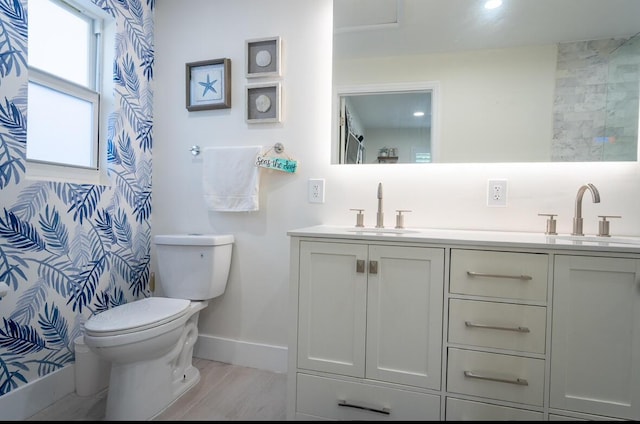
532	81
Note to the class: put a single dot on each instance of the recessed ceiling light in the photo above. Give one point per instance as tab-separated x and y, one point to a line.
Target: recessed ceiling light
492	4
417	114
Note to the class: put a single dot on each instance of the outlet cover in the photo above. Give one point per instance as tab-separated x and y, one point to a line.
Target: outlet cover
497	193
316	190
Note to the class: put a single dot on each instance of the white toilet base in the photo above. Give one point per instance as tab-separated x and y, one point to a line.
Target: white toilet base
141	390
148	391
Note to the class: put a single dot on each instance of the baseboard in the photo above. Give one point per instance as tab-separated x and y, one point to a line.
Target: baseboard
27	400
237	352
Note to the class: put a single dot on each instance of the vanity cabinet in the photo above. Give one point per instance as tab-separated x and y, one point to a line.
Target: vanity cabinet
369	330
595	344
439	325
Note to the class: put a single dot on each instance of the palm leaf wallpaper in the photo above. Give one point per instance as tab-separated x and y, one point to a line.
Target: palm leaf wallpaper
68	251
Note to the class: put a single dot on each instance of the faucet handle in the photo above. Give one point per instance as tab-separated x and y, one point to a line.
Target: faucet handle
603	226
400	218
359	217
551	223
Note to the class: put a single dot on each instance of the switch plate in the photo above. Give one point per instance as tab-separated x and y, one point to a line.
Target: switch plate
316	190
497	193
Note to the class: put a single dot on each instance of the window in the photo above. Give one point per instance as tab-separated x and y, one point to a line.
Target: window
66	64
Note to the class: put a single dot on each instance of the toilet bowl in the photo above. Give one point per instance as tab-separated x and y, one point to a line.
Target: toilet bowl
149	342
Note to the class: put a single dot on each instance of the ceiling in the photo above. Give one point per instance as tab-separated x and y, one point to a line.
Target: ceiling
393	110
398	27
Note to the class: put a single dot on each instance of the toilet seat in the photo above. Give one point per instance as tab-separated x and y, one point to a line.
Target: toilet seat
136	316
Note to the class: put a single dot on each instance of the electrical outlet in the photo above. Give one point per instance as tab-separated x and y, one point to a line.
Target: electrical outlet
316	190
497	193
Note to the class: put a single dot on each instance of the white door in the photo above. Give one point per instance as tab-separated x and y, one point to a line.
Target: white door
595	342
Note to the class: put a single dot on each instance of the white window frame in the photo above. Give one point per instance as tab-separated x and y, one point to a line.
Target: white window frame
100	95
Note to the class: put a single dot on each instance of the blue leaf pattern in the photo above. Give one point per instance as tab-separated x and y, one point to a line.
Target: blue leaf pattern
20	234
13	37
54	327
31	200
84	200
12	144
55	232
20	339
30	303
87	245
11	264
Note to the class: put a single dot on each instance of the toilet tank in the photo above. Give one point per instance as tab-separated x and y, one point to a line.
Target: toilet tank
193	266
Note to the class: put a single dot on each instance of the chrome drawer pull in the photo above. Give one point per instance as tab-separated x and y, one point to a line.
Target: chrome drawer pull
513	277
385	411
517	381
492	327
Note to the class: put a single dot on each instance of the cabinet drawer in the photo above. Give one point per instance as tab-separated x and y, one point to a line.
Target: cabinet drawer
496	376
321	397
498	325
507	275
466	410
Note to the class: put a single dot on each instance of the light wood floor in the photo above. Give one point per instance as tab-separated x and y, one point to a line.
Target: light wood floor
224	393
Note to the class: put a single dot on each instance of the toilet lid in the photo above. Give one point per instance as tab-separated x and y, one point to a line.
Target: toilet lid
135	316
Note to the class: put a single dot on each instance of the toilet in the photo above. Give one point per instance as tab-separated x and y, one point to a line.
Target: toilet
149	342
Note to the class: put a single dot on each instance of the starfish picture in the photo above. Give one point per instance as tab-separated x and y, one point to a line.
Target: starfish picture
208	85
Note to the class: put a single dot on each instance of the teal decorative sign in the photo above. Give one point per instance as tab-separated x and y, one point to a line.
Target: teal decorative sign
279	164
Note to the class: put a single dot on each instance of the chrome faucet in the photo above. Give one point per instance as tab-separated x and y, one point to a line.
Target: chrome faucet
577	219
380	214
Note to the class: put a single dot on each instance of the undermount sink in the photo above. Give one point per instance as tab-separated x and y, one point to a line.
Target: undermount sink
381	230
599	239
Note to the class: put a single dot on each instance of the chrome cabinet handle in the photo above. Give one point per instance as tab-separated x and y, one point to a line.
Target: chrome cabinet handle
493	327
373	267
360	265
513	277
385	411
516	381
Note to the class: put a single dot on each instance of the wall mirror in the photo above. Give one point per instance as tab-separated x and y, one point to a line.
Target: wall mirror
529	81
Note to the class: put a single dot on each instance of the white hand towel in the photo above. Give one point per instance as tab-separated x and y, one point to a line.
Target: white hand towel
231	178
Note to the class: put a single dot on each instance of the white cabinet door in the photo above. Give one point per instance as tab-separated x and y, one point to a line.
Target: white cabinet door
385	299
332	307
595	342
404	315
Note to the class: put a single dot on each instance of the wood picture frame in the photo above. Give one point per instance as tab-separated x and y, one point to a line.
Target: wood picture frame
262	57
208	84
263	103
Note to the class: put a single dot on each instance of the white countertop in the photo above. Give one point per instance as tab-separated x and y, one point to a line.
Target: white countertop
481	238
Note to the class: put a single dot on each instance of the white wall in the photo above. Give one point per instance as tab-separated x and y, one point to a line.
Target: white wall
254	307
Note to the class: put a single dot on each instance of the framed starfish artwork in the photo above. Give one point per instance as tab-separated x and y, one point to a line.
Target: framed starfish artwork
208	84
